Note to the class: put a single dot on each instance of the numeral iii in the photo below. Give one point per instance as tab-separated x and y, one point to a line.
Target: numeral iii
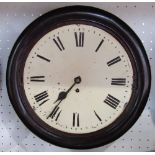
118	81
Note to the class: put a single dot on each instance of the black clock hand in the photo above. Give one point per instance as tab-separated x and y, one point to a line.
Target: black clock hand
53	111
63	94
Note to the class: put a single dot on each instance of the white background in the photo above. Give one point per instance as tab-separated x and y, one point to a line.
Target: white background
14	17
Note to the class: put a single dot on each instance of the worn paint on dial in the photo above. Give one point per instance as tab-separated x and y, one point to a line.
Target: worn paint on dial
78	51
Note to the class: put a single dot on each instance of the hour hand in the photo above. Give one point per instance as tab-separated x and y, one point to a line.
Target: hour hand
62	95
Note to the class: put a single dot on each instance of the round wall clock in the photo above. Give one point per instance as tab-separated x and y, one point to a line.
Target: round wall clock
78	77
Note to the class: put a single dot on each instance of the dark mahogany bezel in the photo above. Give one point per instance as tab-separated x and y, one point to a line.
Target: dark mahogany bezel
95	17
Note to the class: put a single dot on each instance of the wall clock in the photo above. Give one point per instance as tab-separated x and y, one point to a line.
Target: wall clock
78	77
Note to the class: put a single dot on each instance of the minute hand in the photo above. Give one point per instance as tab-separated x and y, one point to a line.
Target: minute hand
77	80
63	94
70	88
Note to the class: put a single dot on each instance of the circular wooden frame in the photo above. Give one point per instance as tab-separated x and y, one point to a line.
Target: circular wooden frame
95	17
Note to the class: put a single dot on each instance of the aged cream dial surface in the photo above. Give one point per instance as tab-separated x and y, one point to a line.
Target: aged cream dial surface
78	78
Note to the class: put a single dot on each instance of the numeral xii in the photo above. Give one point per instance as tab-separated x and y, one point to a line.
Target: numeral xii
79	39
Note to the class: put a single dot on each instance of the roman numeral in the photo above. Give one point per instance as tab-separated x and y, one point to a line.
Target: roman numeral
79	38
99	45
55	113
113	61
118	81
76	120
41	97
43	58
59	44
37	78
112	101
97	116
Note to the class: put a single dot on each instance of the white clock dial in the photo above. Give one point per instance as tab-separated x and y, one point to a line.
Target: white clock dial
78	78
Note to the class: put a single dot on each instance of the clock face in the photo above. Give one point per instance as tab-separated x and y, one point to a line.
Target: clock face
78	78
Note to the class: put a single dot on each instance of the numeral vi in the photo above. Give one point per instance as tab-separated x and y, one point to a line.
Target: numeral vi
76	121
